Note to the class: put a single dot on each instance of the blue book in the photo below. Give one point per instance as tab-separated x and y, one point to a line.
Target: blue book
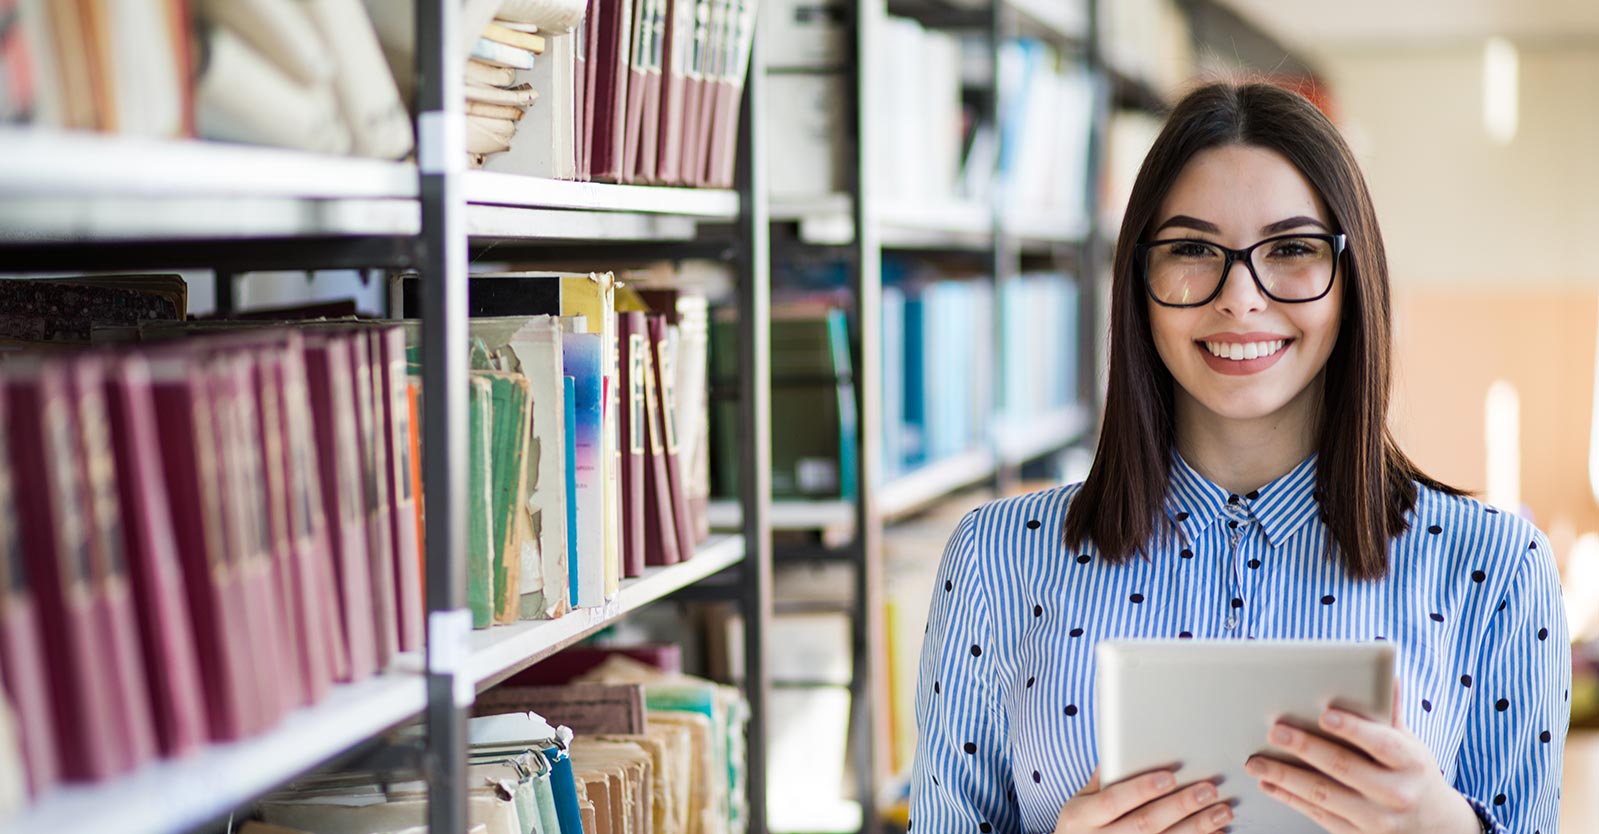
892	459
848	420
565	790
913	443
571	486
585	365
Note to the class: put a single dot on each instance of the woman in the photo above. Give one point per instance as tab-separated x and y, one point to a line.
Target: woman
1245	487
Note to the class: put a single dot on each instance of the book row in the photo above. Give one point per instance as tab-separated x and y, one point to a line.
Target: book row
217	524
628	748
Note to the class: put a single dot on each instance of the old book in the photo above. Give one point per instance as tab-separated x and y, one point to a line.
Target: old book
497	112
584	356
512	37
22	645
633	336
489	75
61	310
393	394
379	123
281	31
519	96
586	708
498	54
610	68
332	396
660	523
666	376
480	503
165	629
366	372
512	404
243	97
55	519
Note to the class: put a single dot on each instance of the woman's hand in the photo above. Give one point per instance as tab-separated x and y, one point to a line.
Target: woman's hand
1150	803
1380	779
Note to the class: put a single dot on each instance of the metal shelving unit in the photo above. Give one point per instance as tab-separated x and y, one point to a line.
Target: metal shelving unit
87	202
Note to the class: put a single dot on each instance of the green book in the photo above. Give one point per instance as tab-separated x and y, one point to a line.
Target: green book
512	404
480	522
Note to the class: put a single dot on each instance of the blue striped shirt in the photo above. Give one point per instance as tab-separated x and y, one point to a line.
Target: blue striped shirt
1005	709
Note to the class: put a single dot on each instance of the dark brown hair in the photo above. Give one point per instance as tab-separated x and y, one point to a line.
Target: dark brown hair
1367	484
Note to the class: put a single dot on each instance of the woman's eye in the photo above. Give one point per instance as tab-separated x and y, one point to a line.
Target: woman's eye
1293	249
1193	250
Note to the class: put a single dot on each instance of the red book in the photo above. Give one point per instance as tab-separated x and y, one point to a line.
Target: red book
637	69
172	664
327	358
364	370
414	399
115	618
22	662
676	48
316	579
184	411
395	399
634	342
295	611
55	522
609	69
660	525
244	509
648	162
666	393
587	79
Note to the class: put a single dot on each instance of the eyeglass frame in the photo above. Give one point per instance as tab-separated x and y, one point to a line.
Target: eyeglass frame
1339	241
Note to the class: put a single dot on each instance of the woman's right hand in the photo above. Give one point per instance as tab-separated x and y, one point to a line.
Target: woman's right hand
1149	803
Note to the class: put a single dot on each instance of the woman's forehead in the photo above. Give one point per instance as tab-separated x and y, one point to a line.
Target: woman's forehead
1241	189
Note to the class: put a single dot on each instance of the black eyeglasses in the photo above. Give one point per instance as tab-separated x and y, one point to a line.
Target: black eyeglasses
1292	269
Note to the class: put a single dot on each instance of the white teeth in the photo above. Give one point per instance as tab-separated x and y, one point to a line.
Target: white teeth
1238	351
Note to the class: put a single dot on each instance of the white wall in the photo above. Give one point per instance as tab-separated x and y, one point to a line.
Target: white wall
1454	206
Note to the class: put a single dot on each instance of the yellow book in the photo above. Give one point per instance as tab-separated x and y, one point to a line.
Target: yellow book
511	37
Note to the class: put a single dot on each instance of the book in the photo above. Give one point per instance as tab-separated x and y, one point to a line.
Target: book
281	31
380	125
396	420
499	54
55	522
500	33
573	571
23	669
665	393
67	310
332	397
609	67
172	665
484	74
373	493
512	411
583	355
243	97
660	525
588	709
632	327
479	494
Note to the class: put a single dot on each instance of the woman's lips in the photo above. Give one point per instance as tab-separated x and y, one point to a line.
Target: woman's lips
1241	367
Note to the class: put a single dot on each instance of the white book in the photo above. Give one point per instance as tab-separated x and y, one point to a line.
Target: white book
282	31
544	144
243	97
379	123
552	17
142	59
537	345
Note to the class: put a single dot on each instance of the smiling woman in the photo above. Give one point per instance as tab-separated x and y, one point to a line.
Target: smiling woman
1246	487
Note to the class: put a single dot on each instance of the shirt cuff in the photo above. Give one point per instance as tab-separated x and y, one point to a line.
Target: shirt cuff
1485	817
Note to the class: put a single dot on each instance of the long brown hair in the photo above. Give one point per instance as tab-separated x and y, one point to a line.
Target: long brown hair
1367	484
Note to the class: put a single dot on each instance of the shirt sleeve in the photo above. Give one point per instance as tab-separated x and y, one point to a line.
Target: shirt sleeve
1510	762
961	775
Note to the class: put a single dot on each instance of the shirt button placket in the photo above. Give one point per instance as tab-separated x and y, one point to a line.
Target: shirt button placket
1235	535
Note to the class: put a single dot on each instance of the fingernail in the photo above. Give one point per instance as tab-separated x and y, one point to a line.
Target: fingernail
1165	781
1221	815
1333	719
1254	766
1280	735
1206	793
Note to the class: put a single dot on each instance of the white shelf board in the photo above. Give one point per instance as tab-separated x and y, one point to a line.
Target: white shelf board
1045	230
513	223
945	224
502	189
202	788
926	485
788	515
1022	440
122	218
60	164
501	651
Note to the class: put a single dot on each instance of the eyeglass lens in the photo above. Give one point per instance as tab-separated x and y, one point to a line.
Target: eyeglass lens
1290	268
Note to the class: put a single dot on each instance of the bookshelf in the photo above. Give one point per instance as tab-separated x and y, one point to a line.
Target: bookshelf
88	202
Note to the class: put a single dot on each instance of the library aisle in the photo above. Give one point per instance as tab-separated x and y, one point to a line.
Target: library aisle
547	416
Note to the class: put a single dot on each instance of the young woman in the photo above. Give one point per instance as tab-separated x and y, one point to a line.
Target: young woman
1245	487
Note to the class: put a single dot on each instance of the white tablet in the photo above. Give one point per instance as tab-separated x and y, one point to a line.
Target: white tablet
1205	706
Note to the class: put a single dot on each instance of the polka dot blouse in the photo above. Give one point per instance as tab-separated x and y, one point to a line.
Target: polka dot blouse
1005	708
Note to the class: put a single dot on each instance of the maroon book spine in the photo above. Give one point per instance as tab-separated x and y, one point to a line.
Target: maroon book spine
115	618
396	401
22	664
666	393
184	412
333	416
660	527
56	541
374	493
165	628
269	451
316	578
634	342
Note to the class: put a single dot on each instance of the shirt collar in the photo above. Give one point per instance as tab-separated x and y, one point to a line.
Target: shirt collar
1281	507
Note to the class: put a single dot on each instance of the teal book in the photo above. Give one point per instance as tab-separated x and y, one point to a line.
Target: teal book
571	485
479	489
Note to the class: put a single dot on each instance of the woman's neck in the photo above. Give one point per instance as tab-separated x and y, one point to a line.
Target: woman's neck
1244	455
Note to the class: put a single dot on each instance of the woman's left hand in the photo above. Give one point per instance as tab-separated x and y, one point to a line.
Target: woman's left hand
1380	779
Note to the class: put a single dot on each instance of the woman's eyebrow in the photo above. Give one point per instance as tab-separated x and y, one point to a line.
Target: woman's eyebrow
1292	223
1184	221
